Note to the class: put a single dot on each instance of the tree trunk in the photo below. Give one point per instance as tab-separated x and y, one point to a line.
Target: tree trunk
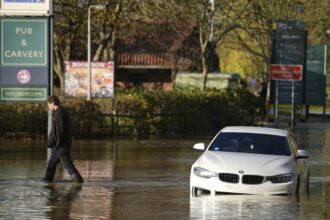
102	46
59	63
204	72
203	43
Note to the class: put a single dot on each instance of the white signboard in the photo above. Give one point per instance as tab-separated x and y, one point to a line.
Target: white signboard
26	7
102	79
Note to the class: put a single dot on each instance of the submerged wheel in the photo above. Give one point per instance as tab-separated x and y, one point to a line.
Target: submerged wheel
194	192
307	183
298	185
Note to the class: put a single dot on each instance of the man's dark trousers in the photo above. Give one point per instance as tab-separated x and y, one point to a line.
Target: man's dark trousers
61	154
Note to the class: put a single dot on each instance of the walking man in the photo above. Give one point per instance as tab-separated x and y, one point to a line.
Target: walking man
59	140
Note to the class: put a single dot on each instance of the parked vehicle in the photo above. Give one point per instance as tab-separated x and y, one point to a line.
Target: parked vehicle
250	160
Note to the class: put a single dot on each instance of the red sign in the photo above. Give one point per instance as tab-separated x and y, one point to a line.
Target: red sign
285	72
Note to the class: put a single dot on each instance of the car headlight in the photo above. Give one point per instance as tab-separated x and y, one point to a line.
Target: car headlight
284	178
198	171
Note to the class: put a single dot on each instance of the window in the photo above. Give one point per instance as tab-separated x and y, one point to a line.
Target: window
251	143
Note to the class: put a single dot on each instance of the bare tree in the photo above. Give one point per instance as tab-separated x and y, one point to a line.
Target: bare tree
215	19
249	23
216	24
70	27
256	32
69	21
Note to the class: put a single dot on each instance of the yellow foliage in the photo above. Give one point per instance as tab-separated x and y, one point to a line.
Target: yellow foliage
236	61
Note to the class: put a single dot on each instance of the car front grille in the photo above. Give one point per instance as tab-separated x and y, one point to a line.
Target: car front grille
252	179
246	179
229	177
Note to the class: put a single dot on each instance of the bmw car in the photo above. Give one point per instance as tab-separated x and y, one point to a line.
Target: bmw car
250	160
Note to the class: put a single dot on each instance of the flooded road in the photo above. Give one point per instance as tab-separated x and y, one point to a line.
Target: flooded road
146	179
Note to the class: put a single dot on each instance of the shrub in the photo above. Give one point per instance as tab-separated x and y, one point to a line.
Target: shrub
185	112
141	112
32	118
85	117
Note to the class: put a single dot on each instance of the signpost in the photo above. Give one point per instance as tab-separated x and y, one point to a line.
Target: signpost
289	73
26	65
316	62
316	75
26	7
76	79
289	47
23	94
285	72
24	42
288	64
24	60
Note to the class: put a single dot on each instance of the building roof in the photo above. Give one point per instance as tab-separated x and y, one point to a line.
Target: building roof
150	44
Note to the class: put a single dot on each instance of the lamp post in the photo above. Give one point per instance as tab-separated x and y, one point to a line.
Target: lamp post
97	7
212	21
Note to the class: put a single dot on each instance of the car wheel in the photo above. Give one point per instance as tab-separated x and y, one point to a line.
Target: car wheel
194	192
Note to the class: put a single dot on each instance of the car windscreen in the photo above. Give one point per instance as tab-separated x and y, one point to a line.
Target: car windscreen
251	143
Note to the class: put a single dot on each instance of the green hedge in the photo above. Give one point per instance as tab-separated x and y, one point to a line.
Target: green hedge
16	118
30	119
141	112
186	111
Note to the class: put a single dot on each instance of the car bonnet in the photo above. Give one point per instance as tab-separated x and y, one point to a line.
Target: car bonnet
257	164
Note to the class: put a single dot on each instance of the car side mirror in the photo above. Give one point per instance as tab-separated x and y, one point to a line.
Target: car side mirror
199	146
302	154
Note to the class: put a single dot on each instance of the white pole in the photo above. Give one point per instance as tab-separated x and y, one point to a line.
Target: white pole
89	77
292	103
51	69
276	103
89	54
212	21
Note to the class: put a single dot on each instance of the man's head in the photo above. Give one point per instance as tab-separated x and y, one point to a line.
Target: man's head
53	102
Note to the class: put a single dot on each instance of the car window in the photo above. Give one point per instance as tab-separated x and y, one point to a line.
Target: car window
251	143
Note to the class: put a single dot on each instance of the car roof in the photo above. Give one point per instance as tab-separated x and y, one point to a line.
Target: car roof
256	130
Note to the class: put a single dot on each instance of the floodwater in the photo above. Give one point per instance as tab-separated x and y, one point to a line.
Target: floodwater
146	179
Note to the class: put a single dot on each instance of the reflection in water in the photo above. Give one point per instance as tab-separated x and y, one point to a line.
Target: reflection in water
94	202
316	140
146	179
78	201
22	199
243	207
90	170
60	199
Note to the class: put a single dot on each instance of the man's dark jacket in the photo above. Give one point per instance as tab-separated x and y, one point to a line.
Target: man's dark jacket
61	133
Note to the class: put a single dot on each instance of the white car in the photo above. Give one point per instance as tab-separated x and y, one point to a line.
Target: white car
250	160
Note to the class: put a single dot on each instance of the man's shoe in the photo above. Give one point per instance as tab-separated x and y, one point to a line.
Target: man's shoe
77	178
